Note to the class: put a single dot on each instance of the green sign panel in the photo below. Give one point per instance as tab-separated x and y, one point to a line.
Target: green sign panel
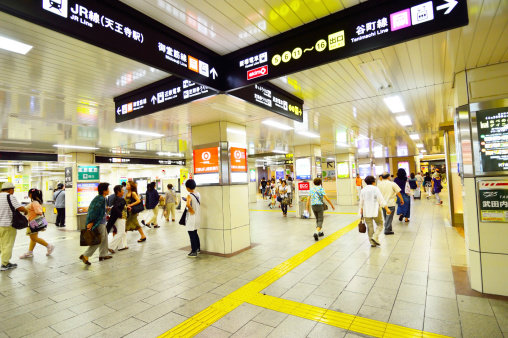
88	173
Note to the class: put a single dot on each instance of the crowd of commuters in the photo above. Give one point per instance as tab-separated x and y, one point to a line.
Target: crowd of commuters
278	191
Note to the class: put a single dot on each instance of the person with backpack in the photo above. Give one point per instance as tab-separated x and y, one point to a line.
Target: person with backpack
413	183
34	212
437	187
118	219
193	217
59	200
8	203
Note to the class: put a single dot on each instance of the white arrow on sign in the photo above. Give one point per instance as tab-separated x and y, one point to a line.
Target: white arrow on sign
214	73
154	99
450	4
119	110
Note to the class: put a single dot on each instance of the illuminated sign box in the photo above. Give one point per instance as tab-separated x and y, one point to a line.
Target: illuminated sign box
206	166
86	193
303	169
238	164
493	139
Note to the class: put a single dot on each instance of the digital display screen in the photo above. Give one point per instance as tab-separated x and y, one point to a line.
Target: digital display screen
303	169
493	138
86	193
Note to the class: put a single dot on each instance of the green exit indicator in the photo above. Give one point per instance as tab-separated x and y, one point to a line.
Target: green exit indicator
88	173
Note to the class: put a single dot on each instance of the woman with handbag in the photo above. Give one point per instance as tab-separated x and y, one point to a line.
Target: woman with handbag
193	217
404	209
316	198
135	206
284	201
36	223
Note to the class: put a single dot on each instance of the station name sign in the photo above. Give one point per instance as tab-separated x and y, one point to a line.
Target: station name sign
161	95
362	28
272	98
120	29
135	160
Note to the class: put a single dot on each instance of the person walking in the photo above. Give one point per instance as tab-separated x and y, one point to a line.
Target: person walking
358	185
427	181
273	193
404	209
413	183
97	219
35	211
59	200
371	199
7	232
170	204
118	218
437	187
263	187
390	191
316	198
152	205
419	180
193	218
132	199
283	194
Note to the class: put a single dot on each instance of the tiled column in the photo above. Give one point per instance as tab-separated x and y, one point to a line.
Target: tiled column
73	221
346	190
225	222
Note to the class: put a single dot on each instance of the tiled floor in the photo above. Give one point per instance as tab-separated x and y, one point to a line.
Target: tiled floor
153	286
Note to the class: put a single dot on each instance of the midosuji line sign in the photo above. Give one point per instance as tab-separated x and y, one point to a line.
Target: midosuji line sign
359	29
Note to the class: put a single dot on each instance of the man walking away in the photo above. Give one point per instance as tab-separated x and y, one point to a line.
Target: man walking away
389	191
59	200
263	187
7	232
370	201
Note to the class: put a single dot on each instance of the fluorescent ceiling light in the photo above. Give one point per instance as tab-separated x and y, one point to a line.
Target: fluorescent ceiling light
308	134
277	125
137	132
404	120
234	131
14	46
376	73
279	151
423	151
395	104
73	147
4	166
419	145
414	136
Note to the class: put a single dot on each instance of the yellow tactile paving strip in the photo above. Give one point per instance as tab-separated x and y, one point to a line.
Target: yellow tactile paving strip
250	293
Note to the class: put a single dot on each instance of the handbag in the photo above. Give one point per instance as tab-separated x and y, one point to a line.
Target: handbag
362	228
38	224
183	219
325	206
407	189
18	220
136	209
90	237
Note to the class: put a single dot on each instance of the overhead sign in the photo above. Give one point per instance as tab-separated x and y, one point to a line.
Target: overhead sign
493	201
359	29
238	159
206	160
134	160
493	137
12	156
88	173
161	95
272	98
121	29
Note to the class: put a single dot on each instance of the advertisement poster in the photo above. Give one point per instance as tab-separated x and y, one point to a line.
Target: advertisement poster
303	169
88	173
279	174
364	170
86	193
328	175
342	170
405	166
238	159
184	175
206	161
493	201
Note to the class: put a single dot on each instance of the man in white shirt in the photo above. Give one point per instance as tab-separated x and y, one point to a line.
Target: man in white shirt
7	232
419	179
389	190
370	201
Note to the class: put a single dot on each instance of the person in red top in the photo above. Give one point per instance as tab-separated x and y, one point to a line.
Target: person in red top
358	185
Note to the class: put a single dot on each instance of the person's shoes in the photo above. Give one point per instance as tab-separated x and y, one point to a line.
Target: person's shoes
400	218
441	202
167	219
4	268
142	240
389	233
104	258
85	260
126	248
316	237
143	222
376	241
321	234
156	226
26	255
51	248
192	255
407	220
8	266
198	251
172	220
111	251
373	245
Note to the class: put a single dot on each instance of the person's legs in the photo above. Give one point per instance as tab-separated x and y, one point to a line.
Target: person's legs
198	242
7	238
148	217
284	208
359	190
173	211
118	240
58	216
407	200
318	211
34	239
263	192
192	238
438	198
379	228
388	220
429	192
103	247
155	215
370	229
62	220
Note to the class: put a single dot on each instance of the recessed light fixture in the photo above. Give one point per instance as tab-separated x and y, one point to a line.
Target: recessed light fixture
14	46
404	120
419	145
73	147
277	125
308	134
137	132
395	104
414	136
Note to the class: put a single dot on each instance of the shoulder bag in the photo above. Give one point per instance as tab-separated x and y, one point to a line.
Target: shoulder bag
18	220
325	206
38	224
183	219
136	209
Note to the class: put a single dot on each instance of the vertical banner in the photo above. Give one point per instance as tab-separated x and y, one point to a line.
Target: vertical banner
68	177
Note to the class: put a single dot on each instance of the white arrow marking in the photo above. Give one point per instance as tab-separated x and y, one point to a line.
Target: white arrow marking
214	73
119	110
154	99
450	4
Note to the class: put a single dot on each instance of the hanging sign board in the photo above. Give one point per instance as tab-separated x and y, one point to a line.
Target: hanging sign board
134	160
121	29
493	201
13	156
161	95
88	173
303	168
359	29
272	98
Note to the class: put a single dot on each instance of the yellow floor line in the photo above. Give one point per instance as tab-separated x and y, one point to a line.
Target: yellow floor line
250	293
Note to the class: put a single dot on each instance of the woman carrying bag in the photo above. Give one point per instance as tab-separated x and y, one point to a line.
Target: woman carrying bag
135	205
404	209
37	223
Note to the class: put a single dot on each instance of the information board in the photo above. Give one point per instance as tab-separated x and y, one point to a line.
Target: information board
493	138
88	173
86	193
493	201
